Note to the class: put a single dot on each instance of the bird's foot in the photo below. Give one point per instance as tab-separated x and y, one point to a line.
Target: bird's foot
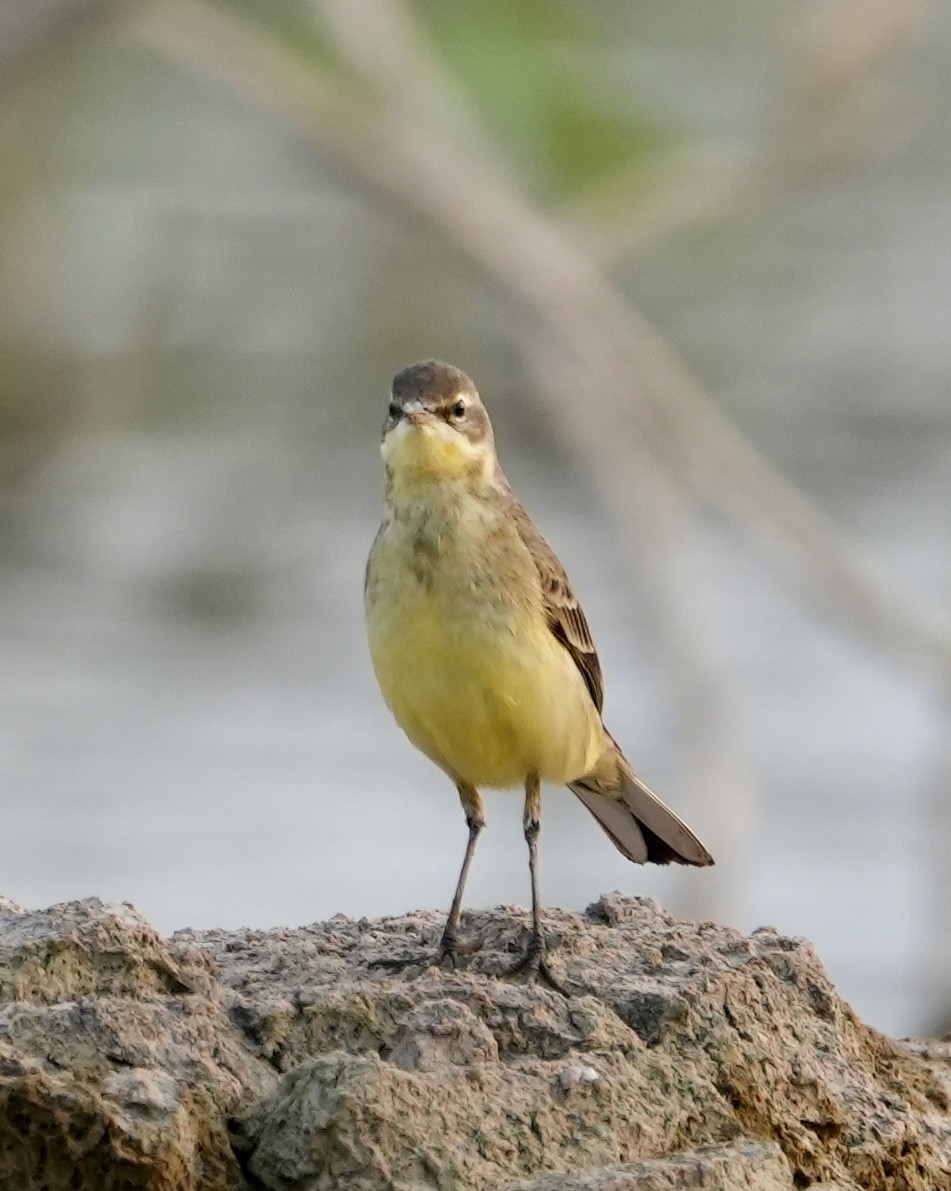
451	948
534	966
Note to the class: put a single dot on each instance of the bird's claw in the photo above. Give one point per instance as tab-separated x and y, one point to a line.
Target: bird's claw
451	948
534	966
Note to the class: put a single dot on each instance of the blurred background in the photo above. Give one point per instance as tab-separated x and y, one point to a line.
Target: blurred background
697	257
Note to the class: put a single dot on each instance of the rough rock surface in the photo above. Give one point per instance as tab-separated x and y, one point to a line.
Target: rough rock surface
676	1056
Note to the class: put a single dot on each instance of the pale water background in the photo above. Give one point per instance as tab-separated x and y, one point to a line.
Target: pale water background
189	720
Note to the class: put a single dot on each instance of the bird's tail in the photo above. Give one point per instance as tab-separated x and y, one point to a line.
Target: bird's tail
642	827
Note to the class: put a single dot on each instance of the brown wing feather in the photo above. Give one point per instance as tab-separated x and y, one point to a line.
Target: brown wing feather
565	617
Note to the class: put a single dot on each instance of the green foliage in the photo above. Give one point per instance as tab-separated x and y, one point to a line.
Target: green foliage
531	70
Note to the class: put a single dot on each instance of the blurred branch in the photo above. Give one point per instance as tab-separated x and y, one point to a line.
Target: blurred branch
833	113
27	26
395	153
847	48
685	188
380	39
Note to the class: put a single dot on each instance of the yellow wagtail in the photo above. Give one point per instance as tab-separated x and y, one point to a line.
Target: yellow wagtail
480	648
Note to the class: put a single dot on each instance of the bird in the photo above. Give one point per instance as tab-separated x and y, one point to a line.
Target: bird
481	649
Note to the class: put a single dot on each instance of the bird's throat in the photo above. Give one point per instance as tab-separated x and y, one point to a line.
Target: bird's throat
421	459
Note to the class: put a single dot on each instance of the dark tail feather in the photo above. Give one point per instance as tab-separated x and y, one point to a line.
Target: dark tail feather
641	827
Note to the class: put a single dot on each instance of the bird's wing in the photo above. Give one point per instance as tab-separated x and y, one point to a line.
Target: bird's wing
565	617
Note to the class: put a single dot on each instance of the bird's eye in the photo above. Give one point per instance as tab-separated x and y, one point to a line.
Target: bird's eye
458	409
395	411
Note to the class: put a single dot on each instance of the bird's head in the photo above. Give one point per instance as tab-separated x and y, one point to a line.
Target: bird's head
436	427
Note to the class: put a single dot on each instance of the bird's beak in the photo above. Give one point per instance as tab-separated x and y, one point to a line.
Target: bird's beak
416	415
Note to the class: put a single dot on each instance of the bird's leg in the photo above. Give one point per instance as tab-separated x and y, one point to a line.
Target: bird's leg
532	825
475	818
534	961
449	946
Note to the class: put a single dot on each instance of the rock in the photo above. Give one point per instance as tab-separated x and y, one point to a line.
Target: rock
118	1062
745	1166
677	1055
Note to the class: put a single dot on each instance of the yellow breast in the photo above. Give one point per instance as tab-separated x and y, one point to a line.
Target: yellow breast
464	656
